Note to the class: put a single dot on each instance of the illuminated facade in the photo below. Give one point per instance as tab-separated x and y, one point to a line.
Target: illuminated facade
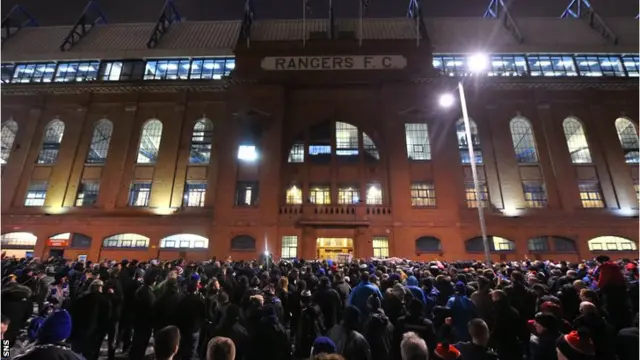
213	143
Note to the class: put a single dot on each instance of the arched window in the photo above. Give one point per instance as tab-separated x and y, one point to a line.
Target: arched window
417	137
538	244
370	149
294	195
627	133
243	243
576	141
184	241
201	141
9	131
51	142
18	240
496	244
346	139
150	142
463	146
126	240
75	240
100	140
428	244
611	243
564	245
524	143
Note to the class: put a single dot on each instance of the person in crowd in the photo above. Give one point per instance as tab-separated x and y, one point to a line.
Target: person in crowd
378	330
342	287
482	300
628	342
115	296
168	298
50	343
230	327
91	313
576	345
413	347
166	343
189	318
143	319
310	325
270	337
415	321
542	345
323	345
506	334
393	302
221	348
4	325
462	310
129	289
16	306
416	291
477	348
601	332
328	299
614	295
349	342
360	294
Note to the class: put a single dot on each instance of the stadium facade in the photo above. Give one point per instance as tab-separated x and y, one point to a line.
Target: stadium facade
232	138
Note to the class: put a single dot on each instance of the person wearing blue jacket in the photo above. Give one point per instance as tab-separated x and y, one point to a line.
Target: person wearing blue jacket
361	293
463	311
412	285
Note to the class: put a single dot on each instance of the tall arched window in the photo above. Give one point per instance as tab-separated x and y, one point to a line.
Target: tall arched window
150	142
9	131
463	147
524	143
100	140
576	141
184	241
611	243
201	140
627	133
51	142
126	240
417	137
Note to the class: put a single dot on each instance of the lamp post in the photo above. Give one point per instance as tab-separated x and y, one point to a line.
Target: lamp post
476	63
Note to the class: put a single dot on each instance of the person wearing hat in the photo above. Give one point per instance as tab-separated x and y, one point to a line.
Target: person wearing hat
360	294
90	314
576	345
329	302
349	342
310	325
323	345
15	306
378	330
542	345
463	310
414	321
50	340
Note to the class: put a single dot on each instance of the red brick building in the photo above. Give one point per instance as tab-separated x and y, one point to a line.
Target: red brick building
213	143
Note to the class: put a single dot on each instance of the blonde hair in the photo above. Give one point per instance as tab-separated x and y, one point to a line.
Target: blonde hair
284	282
221	348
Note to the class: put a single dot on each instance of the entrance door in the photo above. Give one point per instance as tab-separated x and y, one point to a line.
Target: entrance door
56	253
330	248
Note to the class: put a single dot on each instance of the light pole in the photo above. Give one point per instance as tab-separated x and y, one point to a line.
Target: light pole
476	63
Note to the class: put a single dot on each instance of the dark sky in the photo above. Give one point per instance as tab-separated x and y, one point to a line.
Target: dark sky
63	12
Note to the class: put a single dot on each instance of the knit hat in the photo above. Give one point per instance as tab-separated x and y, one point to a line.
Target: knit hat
324	345
195	277
55	328
461	288
576	345
446	352
547	321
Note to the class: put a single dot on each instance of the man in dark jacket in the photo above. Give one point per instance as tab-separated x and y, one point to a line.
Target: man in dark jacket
310	325
416	322
189	317
343	289
477	348
231	328
349	342
129	288
378	331
90	313
509	327
16	307
329	302
520	296
50	341
115	296
272	340
542	345
143	304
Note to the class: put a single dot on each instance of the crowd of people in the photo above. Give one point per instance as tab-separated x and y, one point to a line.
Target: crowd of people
391	309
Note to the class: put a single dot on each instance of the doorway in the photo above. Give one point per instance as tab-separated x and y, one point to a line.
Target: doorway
56	253
332	248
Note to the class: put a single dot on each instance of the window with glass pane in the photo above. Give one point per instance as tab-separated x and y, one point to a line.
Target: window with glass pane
195	192
51	143
34	73
111	71
175	69
508	65
201	140
565	245
184	241
370	149
247	193
590	194
100	140
128	240
423	194
294	195
9	131
417	137
348	194
631	64
320	194
87	193
121	70
36	193
534	194
212	69
7	72
320	137
18	239
628	136
289	247
374	194
296	154
551	66
150	142
524	144
576	141
472	199
428	244
600	66
538	244
463	146
139	193
346	139
380	247
611	243
451	65
77	71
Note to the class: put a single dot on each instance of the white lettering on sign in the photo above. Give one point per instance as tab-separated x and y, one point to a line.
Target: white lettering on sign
349	62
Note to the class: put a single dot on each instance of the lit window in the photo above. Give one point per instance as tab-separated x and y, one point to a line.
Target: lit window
246	193
77	71
9	131
611	243
551	66
590	195
496	244
7	72
296	154
294	195
184	241
427	244
472	199
121	70
600	66
576	141
111	71
417	137
534	194
201	140
36	193
508	65
374	194
320	195
18	239
211	69
150	142
289	247
320	138
636	186
247	153
139	193
194	193
463	146
51	143
423	194
631	64
34	73
126	240
348	194
167	69
346	139
380	247
370	149
628	140
100	140
87	193
450	65
538	244
524	143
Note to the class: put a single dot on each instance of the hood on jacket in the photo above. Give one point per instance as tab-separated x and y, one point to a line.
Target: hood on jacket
412	281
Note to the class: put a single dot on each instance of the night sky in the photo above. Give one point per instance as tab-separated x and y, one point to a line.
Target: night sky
66	12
